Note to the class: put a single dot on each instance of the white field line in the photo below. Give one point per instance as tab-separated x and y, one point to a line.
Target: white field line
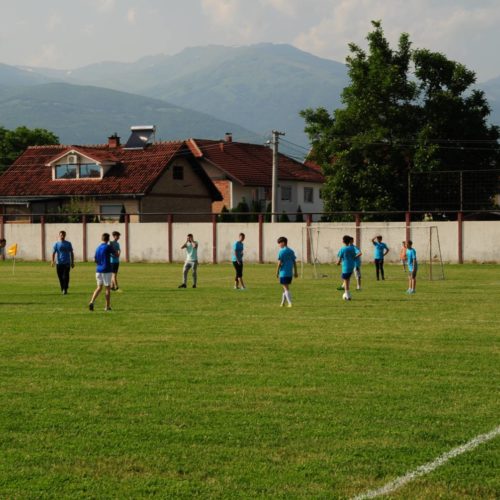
430	466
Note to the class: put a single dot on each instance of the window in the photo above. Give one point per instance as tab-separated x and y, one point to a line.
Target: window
90	170
111	212
178	173
66	171
286	193
308	195
78	171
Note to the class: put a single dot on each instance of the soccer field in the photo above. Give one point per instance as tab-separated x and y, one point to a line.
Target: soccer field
218	393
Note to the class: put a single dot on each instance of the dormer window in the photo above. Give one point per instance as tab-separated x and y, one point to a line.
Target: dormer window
79	171
74	165
66	172
90	171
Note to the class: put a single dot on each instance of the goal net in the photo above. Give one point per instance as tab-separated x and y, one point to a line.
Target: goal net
321	243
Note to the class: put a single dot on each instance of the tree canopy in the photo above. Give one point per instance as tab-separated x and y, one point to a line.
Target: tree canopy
14	142
405	111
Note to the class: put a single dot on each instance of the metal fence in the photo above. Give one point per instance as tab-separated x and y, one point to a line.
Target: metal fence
457	190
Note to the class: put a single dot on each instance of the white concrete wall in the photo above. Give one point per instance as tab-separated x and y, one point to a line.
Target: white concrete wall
481	241
228	233
149	241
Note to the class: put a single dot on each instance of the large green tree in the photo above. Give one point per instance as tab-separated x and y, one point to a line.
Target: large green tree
14	142
404	111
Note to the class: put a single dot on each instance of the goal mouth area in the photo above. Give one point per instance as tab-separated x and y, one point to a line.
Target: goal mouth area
321	243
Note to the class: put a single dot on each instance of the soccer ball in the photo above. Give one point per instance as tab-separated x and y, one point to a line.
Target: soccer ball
346	296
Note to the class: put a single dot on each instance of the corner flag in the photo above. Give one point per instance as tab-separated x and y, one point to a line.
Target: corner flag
12	250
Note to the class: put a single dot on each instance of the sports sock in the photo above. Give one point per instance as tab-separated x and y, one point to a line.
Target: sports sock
288	296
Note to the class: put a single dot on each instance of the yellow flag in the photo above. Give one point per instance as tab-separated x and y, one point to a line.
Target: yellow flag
12	250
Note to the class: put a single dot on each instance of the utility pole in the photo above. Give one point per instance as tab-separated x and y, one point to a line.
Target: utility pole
274	186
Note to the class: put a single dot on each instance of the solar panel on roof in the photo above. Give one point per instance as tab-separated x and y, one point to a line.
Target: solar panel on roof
141	137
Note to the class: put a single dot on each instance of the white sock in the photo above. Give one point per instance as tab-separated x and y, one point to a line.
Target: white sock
283	298
288	296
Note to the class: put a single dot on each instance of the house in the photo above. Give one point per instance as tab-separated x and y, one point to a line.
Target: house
243	171
141	178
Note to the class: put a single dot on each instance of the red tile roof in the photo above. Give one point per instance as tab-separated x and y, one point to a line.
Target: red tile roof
135	171
251	164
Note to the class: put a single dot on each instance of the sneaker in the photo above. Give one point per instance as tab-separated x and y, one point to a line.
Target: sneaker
107	309
182	286
91	306
236	287
243	288
65	292
289	305
282	304
194	286
358	288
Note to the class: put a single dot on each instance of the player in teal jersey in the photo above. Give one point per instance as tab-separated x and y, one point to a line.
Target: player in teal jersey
411	259
286	270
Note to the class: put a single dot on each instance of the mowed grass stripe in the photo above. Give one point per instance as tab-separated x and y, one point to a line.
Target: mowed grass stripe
220	393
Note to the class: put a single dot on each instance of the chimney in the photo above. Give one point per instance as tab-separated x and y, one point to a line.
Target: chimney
229	137
114	141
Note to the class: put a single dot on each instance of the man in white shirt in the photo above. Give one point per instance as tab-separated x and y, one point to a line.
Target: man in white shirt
191	262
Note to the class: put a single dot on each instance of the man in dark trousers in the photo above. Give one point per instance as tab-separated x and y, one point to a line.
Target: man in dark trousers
65	260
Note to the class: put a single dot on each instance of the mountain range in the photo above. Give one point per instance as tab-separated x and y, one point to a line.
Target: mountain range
202	91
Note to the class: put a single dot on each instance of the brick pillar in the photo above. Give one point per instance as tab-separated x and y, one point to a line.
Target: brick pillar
261	238
408	225
84	238
308	246
358	230
127	238
460	222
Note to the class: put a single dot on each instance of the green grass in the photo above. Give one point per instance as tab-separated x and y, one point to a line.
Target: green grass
220	393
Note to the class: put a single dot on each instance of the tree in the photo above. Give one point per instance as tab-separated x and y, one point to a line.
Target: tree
299	217
14	142
393	124
241	210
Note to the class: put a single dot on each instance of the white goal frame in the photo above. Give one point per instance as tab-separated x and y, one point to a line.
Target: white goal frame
316	252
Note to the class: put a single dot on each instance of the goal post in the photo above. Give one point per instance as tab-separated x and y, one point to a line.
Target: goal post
321	242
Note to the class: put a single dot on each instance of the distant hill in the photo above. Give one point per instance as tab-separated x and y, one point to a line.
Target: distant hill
260	87
13	76
88	115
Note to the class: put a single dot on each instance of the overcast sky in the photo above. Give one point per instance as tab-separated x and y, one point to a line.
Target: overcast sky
72	33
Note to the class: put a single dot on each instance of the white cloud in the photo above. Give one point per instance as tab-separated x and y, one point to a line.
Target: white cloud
48	55
286	7
55	20
88	30
105	5
132	16
221	11
434	25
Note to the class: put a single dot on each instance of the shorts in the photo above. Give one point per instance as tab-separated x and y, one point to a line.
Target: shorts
413	274
285	280
114	267
238	267
103	279
346	276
